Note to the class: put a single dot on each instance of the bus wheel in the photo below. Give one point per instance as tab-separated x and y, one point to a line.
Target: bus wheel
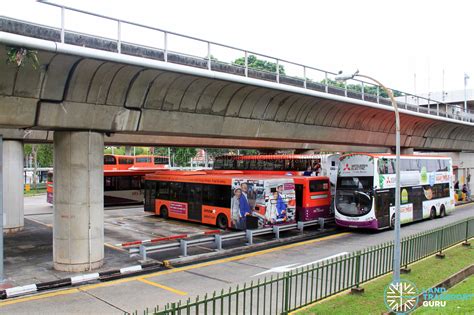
392	222
433	213
222	222
442	211
164	212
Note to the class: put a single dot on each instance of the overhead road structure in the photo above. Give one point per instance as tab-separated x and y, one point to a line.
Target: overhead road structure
86	82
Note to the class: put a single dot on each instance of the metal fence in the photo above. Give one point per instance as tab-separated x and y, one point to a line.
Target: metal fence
284	293
177	48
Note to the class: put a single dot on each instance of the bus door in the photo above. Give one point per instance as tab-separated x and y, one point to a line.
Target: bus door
417	200
383	202
195	201
150	193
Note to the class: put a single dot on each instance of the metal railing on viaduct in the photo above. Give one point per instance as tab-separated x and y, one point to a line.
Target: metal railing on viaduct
306	285
302	76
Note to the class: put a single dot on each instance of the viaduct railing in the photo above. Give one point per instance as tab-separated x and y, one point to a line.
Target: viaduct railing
221	58
303	286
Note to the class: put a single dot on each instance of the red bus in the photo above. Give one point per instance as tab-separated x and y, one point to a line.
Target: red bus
282	164
123	178
313	197
227	200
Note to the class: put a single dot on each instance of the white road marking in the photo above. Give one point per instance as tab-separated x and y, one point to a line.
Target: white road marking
288	268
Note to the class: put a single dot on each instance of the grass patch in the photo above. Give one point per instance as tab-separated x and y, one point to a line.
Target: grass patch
454	306
33	192
424	274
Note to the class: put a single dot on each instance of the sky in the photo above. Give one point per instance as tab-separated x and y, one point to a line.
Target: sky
407	45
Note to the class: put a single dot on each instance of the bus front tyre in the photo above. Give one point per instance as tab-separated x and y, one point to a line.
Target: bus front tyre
433	213
164	212
222	222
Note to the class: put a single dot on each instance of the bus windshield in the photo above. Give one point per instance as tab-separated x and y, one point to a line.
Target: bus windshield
354	195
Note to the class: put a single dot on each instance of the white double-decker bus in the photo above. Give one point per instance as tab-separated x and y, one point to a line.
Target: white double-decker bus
365	189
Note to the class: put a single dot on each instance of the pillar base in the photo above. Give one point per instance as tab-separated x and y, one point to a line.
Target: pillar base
405	270
440	255
14	230
78	267
467	244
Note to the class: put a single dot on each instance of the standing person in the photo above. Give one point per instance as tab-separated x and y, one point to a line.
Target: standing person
308	172
280	208
244	205
465	192
235	208
317	169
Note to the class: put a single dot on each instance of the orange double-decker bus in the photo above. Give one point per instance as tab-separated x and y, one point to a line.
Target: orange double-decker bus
151	161
123	178
226	199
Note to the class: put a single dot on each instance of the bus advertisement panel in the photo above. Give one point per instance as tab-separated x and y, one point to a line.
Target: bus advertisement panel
268	201
365	192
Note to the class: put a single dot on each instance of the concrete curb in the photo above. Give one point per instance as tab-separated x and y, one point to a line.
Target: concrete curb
81	279
187	260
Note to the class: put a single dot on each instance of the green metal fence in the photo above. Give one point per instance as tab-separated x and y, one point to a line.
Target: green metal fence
300	287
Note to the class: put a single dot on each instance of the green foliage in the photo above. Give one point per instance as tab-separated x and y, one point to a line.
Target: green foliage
182	156
123	150
22	56
258	64
43	152
45	155
368	89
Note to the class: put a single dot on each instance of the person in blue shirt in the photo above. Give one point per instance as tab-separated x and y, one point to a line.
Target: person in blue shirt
244	205
308	172
280	208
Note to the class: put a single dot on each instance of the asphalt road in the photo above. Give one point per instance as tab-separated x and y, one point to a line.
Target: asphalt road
138	293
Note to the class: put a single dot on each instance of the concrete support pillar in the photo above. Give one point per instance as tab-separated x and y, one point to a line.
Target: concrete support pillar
78	232
13	186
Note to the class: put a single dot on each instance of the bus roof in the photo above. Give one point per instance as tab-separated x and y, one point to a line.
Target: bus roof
274	156
378	155
203	177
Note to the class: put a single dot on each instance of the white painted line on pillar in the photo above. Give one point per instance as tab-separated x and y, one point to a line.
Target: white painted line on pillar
84	278
131	269
287	268
16	291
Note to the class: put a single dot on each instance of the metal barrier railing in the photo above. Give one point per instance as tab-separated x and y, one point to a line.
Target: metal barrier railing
303	76
303	286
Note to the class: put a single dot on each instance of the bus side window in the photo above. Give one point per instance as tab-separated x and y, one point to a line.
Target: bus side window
123	183
109	160
109	183
163	191
135	182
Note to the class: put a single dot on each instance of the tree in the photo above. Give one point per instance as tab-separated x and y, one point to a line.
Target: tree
258	64
368	89
182	156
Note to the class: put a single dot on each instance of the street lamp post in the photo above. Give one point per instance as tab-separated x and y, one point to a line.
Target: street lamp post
466	77
397	244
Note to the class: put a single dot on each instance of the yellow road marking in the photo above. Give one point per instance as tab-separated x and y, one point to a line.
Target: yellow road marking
162	286
38	296
171	271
